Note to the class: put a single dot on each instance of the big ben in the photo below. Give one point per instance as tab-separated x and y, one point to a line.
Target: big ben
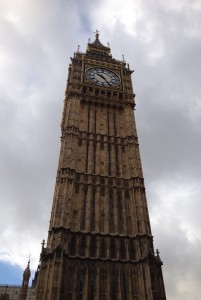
100	244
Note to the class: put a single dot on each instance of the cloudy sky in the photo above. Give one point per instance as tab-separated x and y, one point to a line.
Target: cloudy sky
161	40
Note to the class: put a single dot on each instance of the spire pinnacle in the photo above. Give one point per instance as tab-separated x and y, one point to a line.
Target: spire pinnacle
43	244
27	270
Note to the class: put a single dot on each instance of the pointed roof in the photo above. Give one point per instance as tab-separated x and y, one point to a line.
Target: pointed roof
97	46
97	42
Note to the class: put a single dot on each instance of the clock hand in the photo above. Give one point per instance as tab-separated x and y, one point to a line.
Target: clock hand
108	82
104	78
101	76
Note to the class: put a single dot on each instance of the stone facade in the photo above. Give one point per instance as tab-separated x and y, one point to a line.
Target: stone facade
13	292
100	244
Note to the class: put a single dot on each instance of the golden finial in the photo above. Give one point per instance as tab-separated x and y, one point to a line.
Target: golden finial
97	33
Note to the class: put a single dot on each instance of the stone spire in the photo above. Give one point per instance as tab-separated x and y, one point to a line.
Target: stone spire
25	282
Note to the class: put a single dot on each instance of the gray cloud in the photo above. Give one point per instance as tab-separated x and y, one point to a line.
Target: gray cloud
161	41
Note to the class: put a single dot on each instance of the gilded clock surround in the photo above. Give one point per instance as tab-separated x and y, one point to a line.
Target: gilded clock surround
102	77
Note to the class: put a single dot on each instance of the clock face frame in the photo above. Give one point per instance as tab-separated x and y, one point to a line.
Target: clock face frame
102	77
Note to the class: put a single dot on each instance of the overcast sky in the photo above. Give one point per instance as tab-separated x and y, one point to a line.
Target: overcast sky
161	41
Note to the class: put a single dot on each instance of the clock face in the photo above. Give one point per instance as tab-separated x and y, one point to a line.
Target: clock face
102	77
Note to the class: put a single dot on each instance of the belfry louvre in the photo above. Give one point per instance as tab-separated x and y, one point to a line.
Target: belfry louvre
100	244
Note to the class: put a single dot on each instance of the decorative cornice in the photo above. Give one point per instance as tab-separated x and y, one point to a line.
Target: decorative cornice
70	175
103	138
101	234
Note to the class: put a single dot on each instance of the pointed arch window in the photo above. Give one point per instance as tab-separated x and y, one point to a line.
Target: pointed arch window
72	245
82	245
102	247
112	248
93	246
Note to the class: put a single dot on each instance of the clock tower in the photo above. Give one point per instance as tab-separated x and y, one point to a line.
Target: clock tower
100	244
